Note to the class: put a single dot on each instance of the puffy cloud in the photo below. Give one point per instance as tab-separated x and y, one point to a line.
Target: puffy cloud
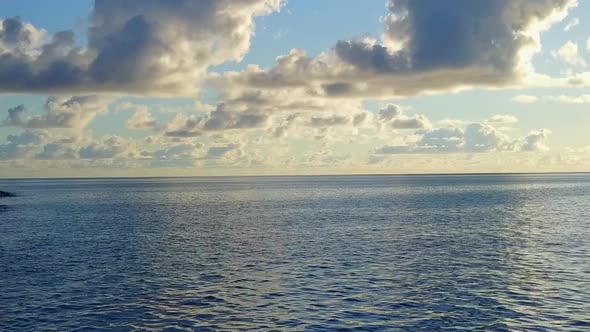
390	112
536	141
429	47
155	47
22	145
58	151
142	119
15	116
329	121
110	147
525	99
569	54
180	155
416	122
219	120
474	138
392	115
60	112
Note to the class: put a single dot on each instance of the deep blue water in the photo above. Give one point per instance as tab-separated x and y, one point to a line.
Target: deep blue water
407	253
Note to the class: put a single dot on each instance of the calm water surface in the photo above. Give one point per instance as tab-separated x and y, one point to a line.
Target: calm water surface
486	253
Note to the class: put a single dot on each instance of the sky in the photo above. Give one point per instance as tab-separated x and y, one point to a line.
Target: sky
98	88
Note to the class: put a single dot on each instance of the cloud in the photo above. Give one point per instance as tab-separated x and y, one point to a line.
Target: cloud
416	122
219	120
502	119
155	47
390	112
569	54
536	141
58	151
180	155
525	99
218	152
329	121
581	99
429	47
393	116
60	112
142	119
474	138
110	147
571	24
21	145
15	116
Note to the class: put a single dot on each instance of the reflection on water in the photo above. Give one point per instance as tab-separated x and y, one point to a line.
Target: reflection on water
317	253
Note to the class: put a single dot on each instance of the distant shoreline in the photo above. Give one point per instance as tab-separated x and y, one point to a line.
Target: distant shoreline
300	176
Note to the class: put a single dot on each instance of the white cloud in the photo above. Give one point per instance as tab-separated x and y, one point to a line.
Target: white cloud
474	138
569	54
536	141
142	119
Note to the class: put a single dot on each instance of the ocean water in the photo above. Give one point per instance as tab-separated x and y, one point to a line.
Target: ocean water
363	253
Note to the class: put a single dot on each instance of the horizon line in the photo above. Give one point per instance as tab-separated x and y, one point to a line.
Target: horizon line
302	175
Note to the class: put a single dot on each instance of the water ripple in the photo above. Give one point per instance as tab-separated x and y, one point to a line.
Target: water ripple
497	253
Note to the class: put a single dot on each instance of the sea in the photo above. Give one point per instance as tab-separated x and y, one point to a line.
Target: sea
316	253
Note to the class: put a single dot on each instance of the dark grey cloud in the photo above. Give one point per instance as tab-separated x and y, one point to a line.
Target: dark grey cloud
59	112
134	46
429	46
15	116
219	120
21	145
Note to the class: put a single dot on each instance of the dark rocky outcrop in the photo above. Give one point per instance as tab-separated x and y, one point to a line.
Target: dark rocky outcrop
6	194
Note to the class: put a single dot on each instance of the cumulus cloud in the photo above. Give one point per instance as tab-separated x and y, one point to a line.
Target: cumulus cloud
536	141
219	120
154	47
108	148
474	138
142	119
393	116
569	54
60	112
429	46
58	151
21	145
15	116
